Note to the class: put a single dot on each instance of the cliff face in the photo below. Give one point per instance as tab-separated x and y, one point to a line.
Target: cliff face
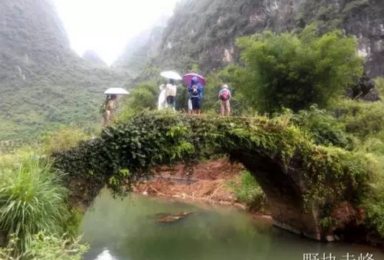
203	32
42	82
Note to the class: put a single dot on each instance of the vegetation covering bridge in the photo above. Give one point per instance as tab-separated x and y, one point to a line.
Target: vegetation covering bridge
304	183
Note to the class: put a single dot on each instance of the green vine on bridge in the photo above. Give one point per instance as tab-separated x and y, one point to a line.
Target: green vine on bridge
125	153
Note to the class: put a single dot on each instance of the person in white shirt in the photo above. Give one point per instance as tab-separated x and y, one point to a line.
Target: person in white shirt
170	93
162	103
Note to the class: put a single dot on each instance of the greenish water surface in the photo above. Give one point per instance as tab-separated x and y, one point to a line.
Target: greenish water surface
128	230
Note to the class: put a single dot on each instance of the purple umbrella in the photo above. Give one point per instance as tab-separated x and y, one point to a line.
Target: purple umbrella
188	79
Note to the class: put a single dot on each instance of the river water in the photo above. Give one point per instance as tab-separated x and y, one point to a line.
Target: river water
128	229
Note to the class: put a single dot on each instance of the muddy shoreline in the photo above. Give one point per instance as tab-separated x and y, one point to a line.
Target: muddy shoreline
206	182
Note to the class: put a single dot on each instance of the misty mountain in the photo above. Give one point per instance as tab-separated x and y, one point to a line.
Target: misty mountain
140	51
43	83
94	58
142	48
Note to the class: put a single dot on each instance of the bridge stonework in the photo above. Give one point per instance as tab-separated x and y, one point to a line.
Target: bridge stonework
285	194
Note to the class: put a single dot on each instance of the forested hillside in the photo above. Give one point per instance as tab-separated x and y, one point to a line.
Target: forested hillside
203	32
42	82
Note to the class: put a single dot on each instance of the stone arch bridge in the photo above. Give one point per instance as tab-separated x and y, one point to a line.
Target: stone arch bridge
303	182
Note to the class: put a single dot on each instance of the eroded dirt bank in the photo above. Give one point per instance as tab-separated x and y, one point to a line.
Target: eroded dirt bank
206	181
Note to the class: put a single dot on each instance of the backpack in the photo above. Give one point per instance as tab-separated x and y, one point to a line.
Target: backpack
195	91
225	96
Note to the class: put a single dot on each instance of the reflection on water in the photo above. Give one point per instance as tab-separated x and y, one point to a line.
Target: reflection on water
105	255
127	230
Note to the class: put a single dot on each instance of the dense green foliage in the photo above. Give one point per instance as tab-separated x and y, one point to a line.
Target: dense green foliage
45	247
62	139
296	71
324	128
143	97
249	192
361	119
32	199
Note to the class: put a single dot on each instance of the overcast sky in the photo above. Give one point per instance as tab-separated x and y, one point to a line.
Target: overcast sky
105	26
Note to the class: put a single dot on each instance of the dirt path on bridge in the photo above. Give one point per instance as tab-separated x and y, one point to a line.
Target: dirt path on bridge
206	181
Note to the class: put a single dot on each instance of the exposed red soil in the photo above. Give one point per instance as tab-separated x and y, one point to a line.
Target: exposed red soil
208	181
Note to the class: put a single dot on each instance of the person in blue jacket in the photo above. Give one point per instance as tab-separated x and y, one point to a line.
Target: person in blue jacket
195	91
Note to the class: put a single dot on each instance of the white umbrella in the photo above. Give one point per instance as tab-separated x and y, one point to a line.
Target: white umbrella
116	91
171	75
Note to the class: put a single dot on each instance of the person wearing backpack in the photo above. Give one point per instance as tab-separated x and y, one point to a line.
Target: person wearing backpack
196	95
225	96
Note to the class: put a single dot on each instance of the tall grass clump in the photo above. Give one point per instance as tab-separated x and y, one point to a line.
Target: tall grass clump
63	139
248	191
31	199
45	247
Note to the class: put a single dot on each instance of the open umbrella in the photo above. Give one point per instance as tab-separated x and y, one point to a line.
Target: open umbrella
170	75
188	78
116	91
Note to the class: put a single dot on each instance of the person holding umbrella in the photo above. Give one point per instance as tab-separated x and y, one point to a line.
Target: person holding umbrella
170	88
195	83
196	95
109	107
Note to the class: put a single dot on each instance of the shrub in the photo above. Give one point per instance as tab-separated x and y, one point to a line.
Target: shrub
31	199
379	85
296	71
45	247
373	201
361	118
248	191
323	127
63	139
143	97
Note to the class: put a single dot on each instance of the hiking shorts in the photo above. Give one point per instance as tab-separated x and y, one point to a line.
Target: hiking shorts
196	103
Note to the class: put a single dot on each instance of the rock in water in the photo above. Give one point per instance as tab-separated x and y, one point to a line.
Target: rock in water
174	218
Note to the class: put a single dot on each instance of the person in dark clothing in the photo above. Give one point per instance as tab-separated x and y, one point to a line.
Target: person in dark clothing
195	91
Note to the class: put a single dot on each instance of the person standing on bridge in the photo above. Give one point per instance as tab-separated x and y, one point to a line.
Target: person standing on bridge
196	95
109	107
170	93
225	96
